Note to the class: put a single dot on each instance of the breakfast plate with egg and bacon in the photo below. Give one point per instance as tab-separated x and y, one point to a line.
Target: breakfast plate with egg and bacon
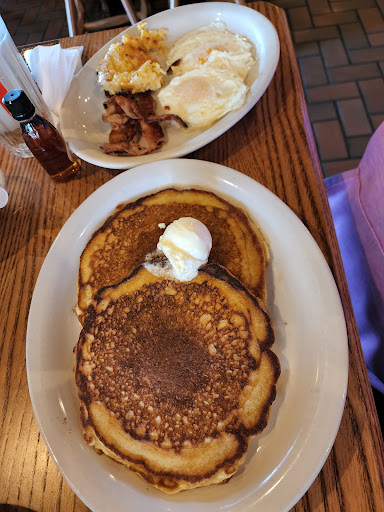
170	84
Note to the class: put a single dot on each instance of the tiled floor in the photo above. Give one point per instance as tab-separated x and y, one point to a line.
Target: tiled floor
31	21
340	50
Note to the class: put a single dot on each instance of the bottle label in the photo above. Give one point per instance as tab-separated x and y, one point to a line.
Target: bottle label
3	92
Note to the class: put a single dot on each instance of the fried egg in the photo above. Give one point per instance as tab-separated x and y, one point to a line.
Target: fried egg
209	67
212	46
202	96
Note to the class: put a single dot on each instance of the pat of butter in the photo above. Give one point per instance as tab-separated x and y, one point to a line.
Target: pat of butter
186	243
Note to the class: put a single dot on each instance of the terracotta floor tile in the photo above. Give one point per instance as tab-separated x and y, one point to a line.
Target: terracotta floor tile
35	36
366	55
287	4
332	92
13	25
314	34
319	6
322	111
334	53
312	71
354	36
377	119
372	91
372	19
324	20
56	27
30	15
330	140
354	117
335	167
347	5
354	72
307	49
357	146
376	39
299	18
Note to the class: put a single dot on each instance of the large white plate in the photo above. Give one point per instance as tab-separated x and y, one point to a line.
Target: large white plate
311	344
82	109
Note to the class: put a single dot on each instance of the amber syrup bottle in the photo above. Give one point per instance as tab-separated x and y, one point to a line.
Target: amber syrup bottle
41	137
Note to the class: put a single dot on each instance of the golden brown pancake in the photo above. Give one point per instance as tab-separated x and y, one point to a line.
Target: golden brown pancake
127	236
174	378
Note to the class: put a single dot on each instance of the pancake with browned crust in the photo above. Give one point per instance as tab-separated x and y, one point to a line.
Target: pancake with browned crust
174	378
127	236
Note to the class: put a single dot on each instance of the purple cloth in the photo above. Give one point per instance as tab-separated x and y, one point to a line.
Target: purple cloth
356	199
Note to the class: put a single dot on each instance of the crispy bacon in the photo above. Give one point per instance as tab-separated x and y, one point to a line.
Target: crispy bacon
167	117
146	103
135	129
122	133
129	106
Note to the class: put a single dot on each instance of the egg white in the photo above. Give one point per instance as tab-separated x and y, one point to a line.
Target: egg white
212	46
202	96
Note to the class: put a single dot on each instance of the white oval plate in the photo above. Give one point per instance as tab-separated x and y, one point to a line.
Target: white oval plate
81	122
311	343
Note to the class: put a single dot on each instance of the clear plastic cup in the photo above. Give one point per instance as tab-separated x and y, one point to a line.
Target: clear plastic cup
15	74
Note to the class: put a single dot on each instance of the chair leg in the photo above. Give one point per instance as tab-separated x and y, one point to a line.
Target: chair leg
75	16
130	11
143	13
80	16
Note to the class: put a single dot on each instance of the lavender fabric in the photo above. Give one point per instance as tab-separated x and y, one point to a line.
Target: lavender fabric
356	199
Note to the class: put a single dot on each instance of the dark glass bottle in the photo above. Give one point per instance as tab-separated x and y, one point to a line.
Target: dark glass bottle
42	138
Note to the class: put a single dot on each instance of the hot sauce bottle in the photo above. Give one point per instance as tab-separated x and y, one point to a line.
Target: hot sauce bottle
41	137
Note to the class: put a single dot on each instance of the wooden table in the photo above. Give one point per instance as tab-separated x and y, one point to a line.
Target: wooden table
274	145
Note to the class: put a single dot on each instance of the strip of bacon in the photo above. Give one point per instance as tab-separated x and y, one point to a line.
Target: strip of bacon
167	117
135	129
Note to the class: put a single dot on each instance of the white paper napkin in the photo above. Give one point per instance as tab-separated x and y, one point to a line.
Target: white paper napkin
53	68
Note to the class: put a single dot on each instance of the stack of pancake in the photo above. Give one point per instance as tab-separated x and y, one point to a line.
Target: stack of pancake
174	378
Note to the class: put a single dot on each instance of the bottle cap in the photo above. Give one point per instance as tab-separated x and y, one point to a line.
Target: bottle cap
18	104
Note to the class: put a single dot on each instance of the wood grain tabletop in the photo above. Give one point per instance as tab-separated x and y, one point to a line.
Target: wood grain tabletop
274	145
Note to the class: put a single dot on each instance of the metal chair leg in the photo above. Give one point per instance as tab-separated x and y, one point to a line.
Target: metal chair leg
130	11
